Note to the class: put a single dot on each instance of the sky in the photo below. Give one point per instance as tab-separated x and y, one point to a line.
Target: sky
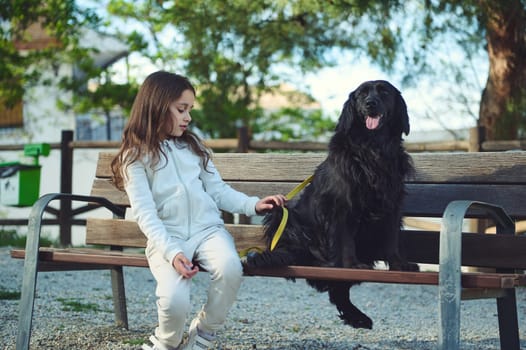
331	86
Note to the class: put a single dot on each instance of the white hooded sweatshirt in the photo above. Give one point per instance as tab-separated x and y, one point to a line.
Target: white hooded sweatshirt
179	198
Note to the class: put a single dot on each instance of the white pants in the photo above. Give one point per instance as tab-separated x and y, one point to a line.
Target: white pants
216	253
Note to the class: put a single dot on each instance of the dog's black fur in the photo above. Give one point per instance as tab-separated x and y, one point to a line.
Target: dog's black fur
350	214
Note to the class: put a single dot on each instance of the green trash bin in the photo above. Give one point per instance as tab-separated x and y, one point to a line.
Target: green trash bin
19	182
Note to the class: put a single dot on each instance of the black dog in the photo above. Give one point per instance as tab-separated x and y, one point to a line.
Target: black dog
350	214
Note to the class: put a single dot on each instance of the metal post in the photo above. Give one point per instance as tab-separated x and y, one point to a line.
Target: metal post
243	139
476	138
66	180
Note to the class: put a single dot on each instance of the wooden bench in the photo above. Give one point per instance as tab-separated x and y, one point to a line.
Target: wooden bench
450	186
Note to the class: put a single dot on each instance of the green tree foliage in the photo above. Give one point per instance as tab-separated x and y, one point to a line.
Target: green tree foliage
232	48
24	59
294	124
22	68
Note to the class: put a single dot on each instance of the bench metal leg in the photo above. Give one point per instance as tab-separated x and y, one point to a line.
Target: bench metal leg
449	278
27	298
119	296
29	279
449	289
508	322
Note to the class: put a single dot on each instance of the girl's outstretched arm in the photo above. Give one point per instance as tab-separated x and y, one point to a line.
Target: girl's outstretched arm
270	202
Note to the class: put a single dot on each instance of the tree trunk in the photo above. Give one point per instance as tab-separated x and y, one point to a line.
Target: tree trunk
500	108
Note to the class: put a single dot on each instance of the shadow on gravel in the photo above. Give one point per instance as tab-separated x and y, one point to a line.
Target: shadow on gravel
315	344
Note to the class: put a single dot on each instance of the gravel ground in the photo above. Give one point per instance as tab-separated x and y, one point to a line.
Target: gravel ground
270	313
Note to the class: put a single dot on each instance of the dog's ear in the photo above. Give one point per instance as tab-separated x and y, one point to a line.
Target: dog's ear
401	109
347	116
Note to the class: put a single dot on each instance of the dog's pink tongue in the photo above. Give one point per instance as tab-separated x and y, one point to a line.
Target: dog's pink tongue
372	123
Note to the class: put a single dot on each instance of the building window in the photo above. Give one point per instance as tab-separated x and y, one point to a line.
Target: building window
89	128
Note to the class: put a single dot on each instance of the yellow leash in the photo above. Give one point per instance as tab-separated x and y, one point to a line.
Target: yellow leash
285	216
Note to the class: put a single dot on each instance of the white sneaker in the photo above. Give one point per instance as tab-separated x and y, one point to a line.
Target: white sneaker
157	345
198	340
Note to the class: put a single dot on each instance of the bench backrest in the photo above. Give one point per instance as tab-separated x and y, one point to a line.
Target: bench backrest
439	179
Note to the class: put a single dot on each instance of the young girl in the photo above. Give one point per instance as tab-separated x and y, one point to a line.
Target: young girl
176	195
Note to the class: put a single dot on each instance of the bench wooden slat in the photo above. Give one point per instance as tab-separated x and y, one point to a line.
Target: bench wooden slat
484	167
430	200
47	263
469	280
230	163
431	167
126	233
424	200
104	188
108	258
87	256
479	250
114	232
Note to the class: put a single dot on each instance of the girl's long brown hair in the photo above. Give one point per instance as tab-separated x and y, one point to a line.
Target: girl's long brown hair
147	125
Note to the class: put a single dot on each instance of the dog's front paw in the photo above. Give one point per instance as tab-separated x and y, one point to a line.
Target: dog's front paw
362	266
403	266
251	259
276	258
356	320
353	263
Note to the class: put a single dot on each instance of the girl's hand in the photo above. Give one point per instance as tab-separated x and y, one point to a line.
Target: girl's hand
269	202
184	266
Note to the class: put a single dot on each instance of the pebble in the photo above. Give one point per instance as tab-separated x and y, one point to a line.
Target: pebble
270	313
